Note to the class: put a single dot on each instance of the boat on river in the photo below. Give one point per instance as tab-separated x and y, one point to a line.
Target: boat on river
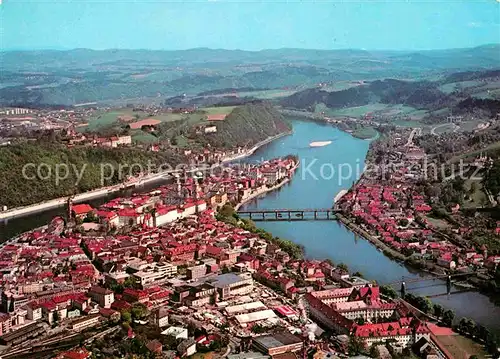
320	143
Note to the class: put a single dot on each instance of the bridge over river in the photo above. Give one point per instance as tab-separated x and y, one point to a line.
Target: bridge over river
286	214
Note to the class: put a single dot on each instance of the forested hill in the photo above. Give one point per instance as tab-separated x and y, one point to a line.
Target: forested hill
419	94
18	189
247	125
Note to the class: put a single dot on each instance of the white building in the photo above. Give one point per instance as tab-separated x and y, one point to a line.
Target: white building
34	312
166	215
156	272
176	332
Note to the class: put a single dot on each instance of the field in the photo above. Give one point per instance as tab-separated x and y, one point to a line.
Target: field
453	86
443	128
365	133
267	94
468	125
119	117
461	347
375	109
218	110
143	137
476	88
341	85
438	223
407	123
357	111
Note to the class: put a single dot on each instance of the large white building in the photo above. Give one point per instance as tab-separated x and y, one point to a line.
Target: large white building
154	273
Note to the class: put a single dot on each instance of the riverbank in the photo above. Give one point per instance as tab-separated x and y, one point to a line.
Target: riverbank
265	190
376	242
102	192
251	151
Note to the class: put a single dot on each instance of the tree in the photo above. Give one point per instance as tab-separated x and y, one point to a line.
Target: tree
448	317
438	310
126	316
130	282
355	345
343	267
227	211
404	222
426	305
388	291
470	327
358	274
374	352
139	311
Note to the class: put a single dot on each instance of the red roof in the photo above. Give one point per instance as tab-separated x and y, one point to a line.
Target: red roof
285	311
82	208
218	117
81	353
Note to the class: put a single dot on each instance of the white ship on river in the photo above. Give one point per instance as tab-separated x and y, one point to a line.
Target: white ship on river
320	143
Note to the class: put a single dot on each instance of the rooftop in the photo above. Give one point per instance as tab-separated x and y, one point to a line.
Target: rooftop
277	340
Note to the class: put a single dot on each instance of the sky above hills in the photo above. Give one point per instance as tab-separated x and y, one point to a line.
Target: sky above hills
248	25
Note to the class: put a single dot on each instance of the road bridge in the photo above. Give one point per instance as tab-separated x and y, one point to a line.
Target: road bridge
286	214
447	277
423	279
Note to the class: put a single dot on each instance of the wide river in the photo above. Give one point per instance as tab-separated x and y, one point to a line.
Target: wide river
317	187
314	186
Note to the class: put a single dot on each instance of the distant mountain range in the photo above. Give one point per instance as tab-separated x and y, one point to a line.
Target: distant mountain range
425	95
81	75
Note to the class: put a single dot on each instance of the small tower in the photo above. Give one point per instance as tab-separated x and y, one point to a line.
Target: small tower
69	208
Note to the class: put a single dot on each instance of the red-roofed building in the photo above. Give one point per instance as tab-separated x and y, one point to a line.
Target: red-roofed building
217	117
80	353
81	210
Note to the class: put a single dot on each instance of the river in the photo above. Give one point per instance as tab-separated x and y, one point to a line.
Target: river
324	239
321	239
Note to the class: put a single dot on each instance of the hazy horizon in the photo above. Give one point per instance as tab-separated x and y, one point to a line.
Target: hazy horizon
243	50
250	26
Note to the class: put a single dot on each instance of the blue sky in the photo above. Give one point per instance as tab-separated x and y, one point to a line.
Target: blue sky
248	25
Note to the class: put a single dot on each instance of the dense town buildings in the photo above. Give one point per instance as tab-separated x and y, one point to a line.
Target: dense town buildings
190	267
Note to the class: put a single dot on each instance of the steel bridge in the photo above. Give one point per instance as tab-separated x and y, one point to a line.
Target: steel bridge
424	279
285	214
447	277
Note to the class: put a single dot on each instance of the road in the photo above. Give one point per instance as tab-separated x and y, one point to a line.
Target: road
433	130
415	132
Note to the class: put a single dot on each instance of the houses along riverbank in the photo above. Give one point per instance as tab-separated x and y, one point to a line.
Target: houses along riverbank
330	239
